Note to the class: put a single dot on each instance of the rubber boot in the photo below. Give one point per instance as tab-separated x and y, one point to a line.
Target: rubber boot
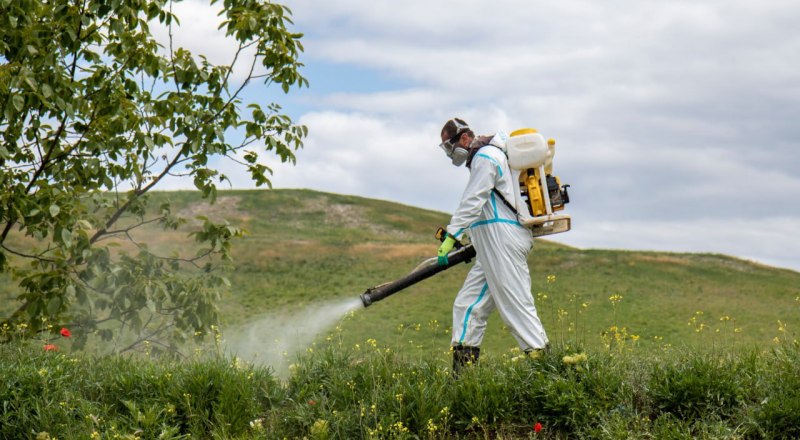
464	355
534	353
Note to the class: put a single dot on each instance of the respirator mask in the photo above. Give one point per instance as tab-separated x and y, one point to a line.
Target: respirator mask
457	154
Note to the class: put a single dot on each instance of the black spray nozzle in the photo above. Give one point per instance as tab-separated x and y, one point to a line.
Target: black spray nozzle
366	299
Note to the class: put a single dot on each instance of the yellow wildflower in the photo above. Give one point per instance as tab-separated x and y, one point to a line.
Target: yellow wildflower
575	358
431	426
399	427
320	429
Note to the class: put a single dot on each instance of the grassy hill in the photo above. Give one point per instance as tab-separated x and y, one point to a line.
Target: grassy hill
308	250
308	255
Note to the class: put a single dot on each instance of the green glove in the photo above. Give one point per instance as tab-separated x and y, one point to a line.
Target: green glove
445	248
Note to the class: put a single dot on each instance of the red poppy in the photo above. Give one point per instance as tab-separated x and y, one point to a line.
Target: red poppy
50	347
537	427
65	333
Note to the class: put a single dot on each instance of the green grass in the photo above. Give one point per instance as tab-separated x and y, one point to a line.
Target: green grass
307	247
373	391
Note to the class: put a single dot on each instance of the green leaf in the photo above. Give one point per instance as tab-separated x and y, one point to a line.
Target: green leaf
54	305
136	323
66	237
34	309
30	80
54	210
18	102
47	91
80	295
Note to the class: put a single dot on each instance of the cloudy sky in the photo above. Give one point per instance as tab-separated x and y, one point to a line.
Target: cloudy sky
676	122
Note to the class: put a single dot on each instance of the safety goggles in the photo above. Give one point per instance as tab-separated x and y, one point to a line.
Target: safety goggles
450	144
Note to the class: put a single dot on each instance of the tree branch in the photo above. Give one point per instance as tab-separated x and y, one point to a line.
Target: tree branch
138	193
53	145
20	254
148	338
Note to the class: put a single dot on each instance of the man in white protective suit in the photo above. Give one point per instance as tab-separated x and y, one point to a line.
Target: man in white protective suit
500	277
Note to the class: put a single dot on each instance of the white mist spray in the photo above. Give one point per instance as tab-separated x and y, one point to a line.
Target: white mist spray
275	338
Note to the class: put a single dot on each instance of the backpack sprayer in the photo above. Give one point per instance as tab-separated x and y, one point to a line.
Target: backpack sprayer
530	158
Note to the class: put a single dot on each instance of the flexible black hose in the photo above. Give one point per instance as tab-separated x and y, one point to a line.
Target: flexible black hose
425	270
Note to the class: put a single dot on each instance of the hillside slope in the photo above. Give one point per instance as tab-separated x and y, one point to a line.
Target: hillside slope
307	253
307	249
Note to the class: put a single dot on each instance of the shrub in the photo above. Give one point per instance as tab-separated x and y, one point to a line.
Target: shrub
74	397
775	413
696	386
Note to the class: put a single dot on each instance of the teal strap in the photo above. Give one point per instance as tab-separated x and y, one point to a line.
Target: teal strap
496	220
469	312
494	161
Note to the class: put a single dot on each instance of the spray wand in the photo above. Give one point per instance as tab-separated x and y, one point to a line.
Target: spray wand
425	270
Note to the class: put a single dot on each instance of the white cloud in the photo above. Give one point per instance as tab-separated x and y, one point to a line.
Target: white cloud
675	121
371	156
198	32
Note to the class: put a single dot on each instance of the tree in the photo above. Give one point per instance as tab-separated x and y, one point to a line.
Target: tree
95	114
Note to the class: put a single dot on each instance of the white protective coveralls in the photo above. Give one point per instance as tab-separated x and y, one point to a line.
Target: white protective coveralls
500	277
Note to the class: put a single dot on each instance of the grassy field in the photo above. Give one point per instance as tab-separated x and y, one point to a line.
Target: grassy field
308	250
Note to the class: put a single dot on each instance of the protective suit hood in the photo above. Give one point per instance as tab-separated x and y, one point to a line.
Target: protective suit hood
498	140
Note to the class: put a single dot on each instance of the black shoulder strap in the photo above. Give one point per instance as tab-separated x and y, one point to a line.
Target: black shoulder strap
505	202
